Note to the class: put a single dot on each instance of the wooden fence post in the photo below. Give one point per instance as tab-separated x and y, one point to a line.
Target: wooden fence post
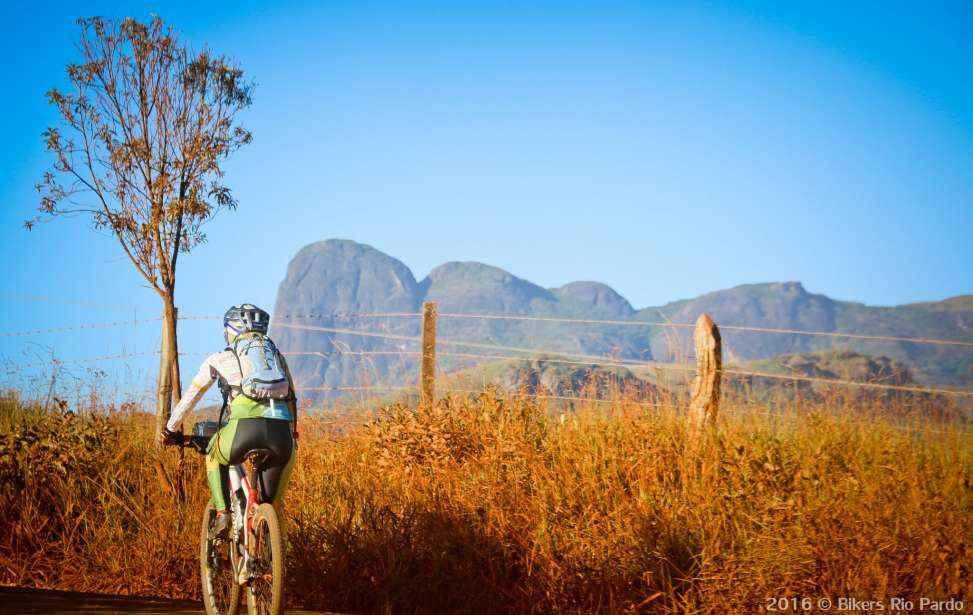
705	401
427	368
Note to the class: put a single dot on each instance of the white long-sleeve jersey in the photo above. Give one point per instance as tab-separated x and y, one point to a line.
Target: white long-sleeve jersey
223	363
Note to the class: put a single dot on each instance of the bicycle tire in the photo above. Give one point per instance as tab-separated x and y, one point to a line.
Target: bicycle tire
221	593
267	540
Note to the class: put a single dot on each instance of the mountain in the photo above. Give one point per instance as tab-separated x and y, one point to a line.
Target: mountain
780	305
330	284
788	305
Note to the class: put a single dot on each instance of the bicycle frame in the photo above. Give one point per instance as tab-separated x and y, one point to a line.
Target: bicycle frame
262	576
244	476
241	476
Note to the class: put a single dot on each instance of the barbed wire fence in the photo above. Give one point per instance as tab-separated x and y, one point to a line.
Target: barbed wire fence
469	352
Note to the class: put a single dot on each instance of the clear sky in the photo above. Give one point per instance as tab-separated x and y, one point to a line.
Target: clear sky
667	149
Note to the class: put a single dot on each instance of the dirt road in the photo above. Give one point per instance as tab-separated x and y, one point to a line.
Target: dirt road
15	600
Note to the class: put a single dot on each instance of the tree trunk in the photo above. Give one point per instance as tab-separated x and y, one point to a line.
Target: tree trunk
176	378
166	357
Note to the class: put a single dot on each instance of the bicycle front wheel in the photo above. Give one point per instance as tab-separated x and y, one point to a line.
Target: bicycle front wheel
218	562
265	594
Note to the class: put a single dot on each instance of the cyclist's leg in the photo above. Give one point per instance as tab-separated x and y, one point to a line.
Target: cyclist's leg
217	460
275	476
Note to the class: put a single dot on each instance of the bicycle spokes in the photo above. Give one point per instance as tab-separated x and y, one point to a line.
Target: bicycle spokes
218	559
262	569
221	576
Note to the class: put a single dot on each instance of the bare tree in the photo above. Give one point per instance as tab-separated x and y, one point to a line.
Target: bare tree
147	123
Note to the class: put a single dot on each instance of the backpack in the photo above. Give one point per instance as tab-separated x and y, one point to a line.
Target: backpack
262	371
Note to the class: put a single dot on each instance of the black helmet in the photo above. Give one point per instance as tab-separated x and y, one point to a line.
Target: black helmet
244	318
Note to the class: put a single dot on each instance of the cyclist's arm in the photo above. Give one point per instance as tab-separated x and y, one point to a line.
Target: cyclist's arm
201	383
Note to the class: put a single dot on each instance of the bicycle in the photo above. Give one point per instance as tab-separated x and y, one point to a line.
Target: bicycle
251	559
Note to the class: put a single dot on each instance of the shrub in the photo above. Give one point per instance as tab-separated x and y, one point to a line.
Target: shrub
496	503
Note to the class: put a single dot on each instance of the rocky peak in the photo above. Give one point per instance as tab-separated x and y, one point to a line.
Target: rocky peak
339	275
472	287
327	284
786	304
594	298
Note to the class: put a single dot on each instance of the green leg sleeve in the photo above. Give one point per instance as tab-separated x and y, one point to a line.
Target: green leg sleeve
217	454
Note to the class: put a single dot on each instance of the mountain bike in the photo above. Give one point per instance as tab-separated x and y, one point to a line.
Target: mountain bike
250	561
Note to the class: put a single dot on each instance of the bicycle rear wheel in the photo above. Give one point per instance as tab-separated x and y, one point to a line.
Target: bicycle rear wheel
217	562
265	593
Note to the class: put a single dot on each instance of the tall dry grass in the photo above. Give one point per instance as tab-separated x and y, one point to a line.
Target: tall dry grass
494	503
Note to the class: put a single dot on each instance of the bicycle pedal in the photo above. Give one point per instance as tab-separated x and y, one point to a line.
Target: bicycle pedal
220	527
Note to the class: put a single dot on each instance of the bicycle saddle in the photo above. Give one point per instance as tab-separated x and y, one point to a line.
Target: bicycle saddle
259	456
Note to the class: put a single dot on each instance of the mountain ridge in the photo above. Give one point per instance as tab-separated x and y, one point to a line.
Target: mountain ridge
342	278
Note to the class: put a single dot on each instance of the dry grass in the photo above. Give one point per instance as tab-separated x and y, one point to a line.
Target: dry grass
495	504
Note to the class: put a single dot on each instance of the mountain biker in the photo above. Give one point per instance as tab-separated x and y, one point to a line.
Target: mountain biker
253	423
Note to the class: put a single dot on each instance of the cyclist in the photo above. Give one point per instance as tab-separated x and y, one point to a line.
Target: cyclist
267	423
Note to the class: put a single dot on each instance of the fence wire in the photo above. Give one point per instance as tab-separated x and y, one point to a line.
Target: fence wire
549	355
507	317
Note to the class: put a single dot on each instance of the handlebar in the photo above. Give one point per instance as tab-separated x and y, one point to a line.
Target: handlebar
197	443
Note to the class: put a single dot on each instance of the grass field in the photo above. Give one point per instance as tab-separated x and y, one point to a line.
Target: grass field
493	503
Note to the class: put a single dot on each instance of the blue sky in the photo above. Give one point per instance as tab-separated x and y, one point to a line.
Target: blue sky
667	149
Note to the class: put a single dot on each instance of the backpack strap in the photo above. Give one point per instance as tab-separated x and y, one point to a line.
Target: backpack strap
225	390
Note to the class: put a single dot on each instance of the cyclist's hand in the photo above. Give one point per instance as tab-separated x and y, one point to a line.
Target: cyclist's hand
170	438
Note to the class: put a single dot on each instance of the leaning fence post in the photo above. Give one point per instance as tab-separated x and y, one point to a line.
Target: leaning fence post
705	401
427	367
